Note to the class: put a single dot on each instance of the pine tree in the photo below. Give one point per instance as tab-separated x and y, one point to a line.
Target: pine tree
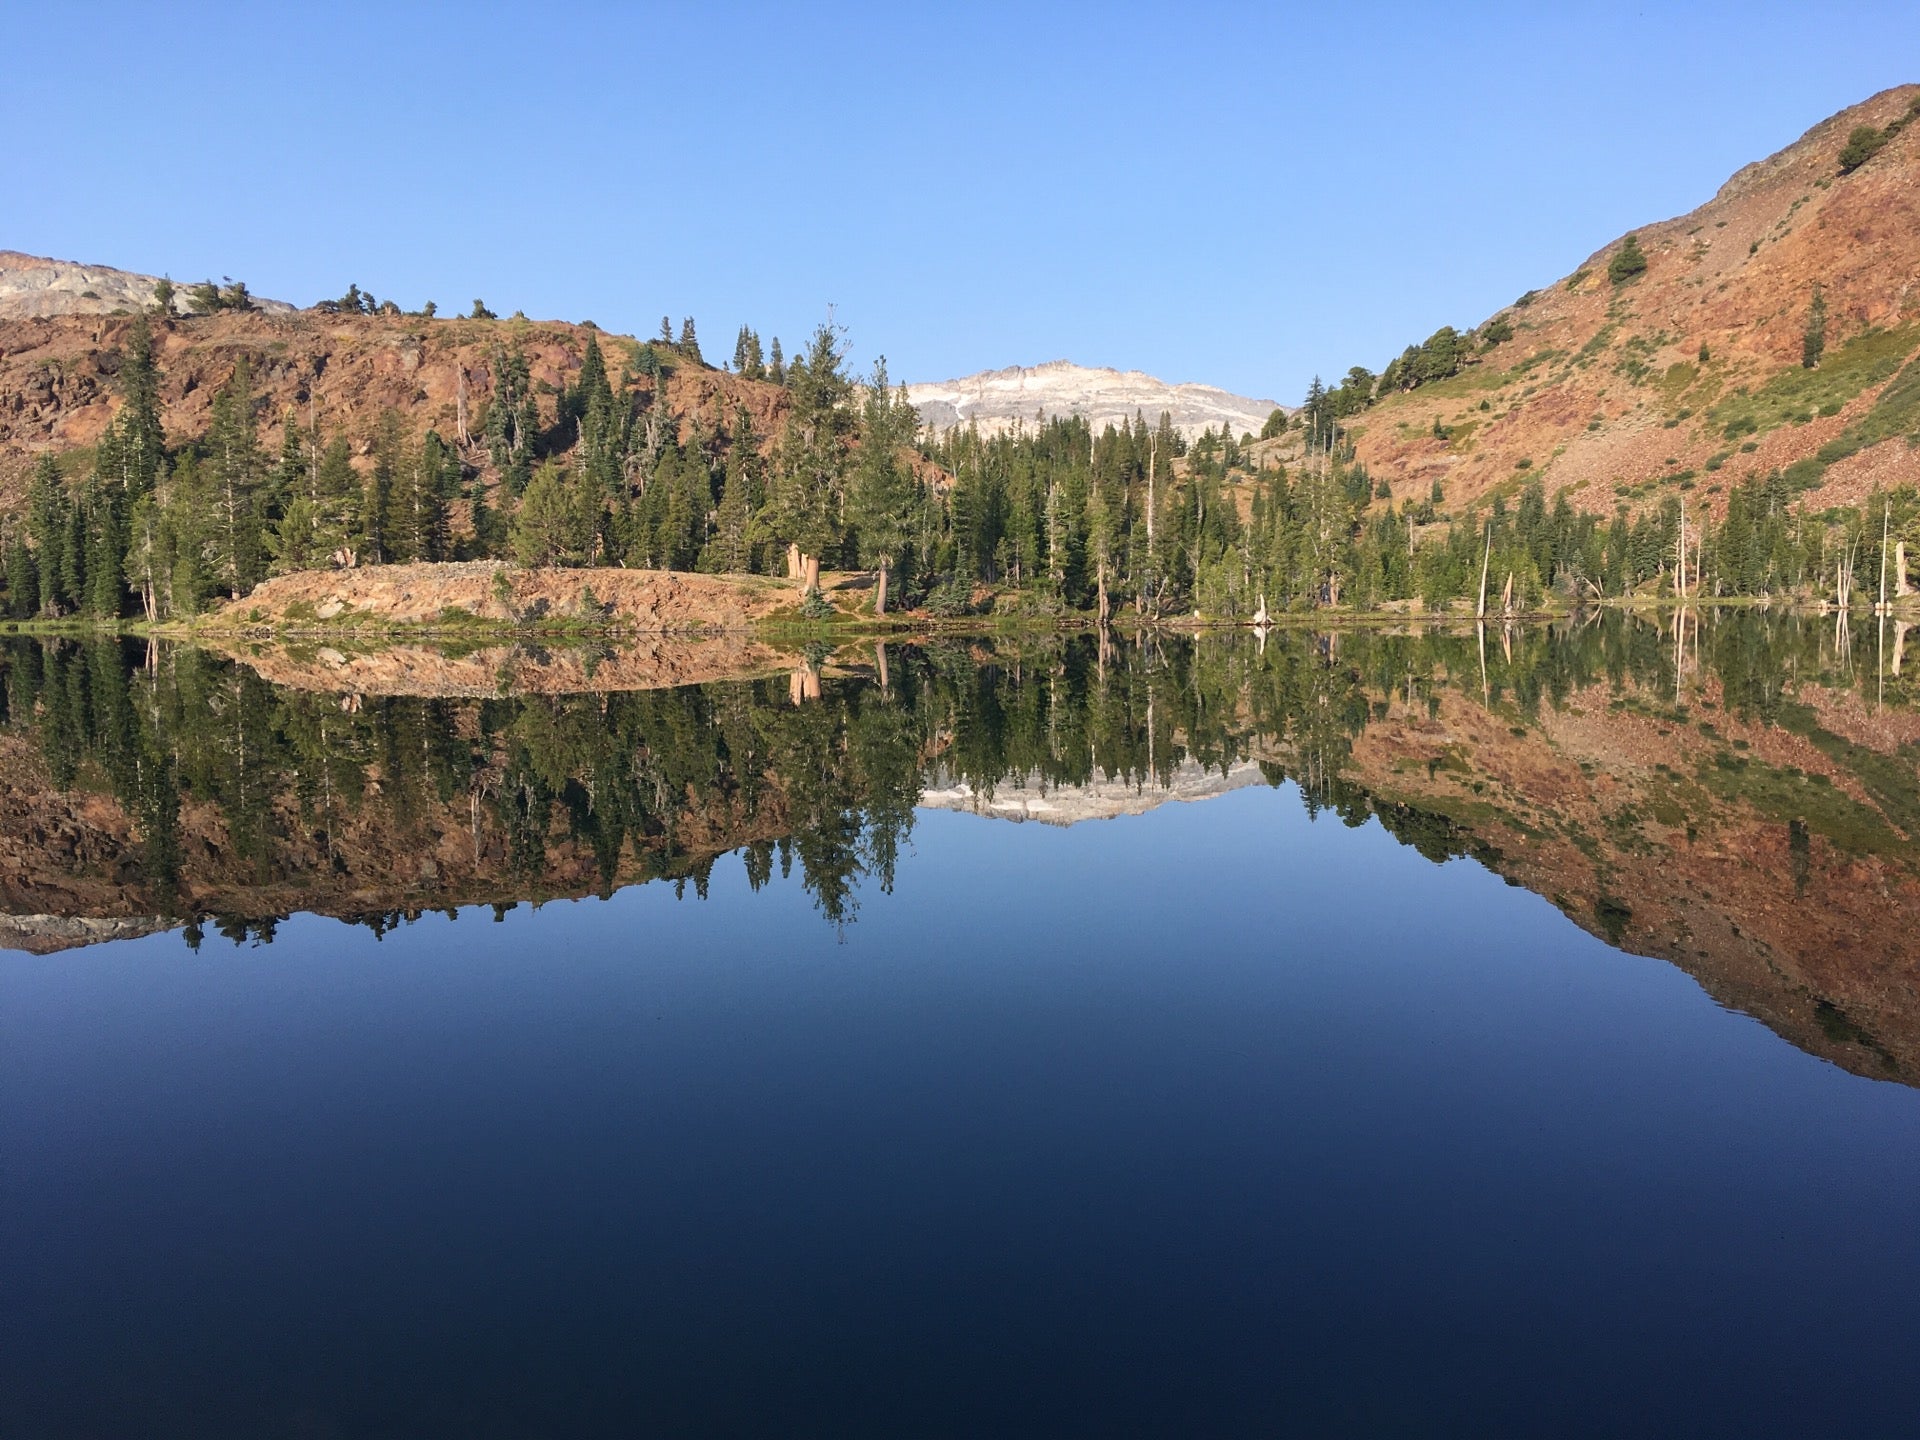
803	508
388	532
882	491
556	521
1628	261
186	544
731	550
143	441
338	503
1813	341
233	460
47	527
23	583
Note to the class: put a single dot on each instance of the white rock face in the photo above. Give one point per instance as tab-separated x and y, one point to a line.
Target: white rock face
32	285
995	400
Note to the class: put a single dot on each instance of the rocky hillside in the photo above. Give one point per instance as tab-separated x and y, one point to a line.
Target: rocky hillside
57	374
1688	375
995	400
32	285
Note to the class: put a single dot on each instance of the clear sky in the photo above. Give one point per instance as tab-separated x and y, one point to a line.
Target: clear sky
1238	194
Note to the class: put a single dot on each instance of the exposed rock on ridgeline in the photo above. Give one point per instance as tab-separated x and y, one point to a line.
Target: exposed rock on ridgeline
997	400
33	285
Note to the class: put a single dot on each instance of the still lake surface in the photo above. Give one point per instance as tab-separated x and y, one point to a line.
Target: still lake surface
1375	1034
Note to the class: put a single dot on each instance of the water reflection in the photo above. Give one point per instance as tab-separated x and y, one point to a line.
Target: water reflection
1735	793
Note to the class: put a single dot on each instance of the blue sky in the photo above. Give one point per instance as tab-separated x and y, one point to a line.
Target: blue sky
1244	195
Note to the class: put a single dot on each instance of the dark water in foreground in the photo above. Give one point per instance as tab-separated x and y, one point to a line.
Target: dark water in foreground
1320	1104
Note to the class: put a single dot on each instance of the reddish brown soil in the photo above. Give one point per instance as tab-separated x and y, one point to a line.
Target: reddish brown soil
636	602
57	376
525	667
1594	805
1735	275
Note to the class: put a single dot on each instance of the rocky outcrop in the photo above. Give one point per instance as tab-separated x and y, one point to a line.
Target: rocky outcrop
452	595
35	286
58	374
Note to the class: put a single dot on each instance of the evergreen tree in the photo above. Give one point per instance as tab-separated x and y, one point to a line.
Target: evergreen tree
1627	262
731	551
23	584
556	521
882	492
234	470
1813	340
47	527
803	508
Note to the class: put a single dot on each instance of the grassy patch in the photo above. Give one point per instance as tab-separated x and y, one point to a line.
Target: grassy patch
1792	396
1602	338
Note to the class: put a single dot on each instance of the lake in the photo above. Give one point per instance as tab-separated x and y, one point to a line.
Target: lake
1505	1033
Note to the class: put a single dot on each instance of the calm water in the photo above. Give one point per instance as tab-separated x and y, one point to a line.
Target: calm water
1343	1042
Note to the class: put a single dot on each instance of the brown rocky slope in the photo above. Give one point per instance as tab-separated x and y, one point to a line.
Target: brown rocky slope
1689	376
57	391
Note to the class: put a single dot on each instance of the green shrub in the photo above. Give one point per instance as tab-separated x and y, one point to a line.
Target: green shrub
950	600
1628	261
1862	145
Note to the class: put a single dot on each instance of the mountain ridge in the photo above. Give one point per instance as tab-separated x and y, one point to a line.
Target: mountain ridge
997	400
1632	390
39	286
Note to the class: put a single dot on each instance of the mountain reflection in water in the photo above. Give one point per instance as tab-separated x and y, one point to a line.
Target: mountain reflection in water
1740	800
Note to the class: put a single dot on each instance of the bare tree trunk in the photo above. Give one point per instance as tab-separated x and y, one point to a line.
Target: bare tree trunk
880	590
1886	522
1485	561
1680	556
